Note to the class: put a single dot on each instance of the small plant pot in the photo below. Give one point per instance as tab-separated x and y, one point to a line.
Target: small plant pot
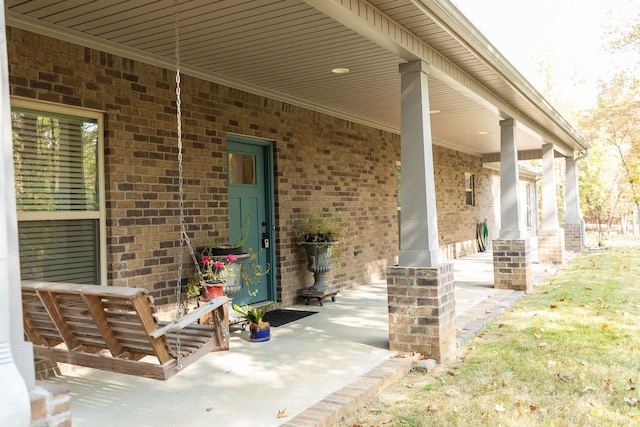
259	333
212	290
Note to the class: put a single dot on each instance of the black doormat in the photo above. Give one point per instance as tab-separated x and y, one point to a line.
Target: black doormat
282	317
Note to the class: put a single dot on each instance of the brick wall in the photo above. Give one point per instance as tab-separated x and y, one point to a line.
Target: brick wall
320	162
457	221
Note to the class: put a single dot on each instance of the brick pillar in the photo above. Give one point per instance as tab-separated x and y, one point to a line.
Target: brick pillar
50	405
422	311
551	246
573	237
512	265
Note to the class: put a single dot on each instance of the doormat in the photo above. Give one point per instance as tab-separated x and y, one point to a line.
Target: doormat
282	317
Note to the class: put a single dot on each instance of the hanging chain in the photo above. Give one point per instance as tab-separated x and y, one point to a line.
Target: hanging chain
180	182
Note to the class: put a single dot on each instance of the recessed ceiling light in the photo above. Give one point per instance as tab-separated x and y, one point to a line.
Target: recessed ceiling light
483	132
340	70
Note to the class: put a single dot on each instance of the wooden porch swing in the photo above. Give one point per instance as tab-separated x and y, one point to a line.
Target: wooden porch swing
114	328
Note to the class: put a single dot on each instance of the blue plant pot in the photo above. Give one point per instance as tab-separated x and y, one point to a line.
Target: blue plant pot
259	333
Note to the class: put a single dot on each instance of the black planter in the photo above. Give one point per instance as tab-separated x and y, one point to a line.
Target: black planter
224	250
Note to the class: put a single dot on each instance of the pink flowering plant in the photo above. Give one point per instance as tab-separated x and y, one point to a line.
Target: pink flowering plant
210	270
216	270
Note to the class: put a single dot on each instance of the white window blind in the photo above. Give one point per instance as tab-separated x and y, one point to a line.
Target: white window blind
57	197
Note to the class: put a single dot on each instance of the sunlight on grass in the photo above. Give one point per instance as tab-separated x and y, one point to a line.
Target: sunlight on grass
566	355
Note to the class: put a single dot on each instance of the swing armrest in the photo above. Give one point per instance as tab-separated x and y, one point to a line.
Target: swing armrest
189	318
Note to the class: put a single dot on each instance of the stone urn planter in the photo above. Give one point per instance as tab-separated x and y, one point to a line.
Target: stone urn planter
232	275
321	236
319	262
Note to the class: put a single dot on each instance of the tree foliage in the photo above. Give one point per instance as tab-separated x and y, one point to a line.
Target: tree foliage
610	177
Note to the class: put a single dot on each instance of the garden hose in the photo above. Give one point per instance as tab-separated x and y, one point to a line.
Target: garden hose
482	234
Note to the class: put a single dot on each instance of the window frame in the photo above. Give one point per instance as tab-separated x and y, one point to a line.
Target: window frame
469	189
100	214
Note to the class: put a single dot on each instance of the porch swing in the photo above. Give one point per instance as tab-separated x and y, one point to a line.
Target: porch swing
114	328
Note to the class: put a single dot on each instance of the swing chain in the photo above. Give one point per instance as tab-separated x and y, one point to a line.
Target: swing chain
221	324
180	182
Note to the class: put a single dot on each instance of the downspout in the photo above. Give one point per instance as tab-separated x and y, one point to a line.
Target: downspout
15	406
583	226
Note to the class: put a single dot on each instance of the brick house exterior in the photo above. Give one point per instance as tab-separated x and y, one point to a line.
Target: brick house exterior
320	162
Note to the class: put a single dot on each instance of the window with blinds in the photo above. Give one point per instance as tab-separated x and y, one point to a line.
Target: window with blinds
57	195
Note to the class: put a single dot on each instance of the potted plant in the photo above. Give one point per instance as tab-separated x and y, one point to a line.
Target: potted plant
321	235
214	273
259	330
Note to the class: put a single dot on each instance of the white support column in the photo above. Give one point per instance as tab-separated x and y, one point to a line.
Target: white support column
572	220
16	355
571	199
418	224
511	226
512	250
550	237
549	197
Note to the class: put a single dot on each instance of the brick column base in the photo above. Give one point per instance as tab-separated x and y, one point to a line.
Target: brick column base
512	265
422	311
50	405
551	246
573	237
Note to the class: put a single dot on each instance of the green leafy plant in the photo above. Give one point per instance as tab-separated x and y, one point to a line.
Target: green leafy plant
252	272
253	315
319	227
322	227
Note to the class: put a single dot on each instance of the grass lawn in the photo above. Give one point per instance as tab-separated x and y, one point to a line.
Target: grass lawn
566	355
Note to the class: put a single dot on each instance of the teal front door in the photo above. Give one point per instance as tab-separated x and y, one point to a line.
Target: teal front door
250	180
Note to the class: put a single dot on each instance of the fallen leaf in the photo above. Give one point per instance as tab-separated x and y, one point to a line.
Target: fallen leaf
605	326
432	407
538	336
209	409
554	306
562	378
608	384
542	344
631	400
533	408
282	413
499	408
587	388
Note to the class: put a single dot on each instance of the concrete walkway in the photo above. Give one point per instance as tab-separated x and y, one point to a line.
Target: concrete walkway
312	372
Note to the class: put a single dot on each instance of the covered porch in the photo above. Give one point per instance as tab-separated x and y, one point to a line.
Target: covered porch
312	369
424	92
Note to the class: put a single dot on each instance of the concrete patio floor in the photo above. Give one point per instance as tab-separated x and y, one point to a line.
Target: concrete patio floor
326	354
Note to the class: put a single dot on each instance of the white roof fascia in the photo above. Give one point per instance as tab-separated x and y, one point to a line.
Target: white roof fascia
468	35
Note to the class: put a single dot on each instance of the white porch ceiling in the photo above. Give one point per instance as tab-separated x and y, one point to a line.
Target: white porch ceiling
286	49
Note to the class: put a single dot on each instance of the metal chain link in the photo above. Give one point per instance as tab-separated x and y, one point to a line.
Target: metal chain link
184	237
180	182
221	324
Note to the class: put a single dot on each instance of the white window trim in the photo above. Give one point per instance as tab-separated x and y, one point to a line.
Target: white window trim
101	214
